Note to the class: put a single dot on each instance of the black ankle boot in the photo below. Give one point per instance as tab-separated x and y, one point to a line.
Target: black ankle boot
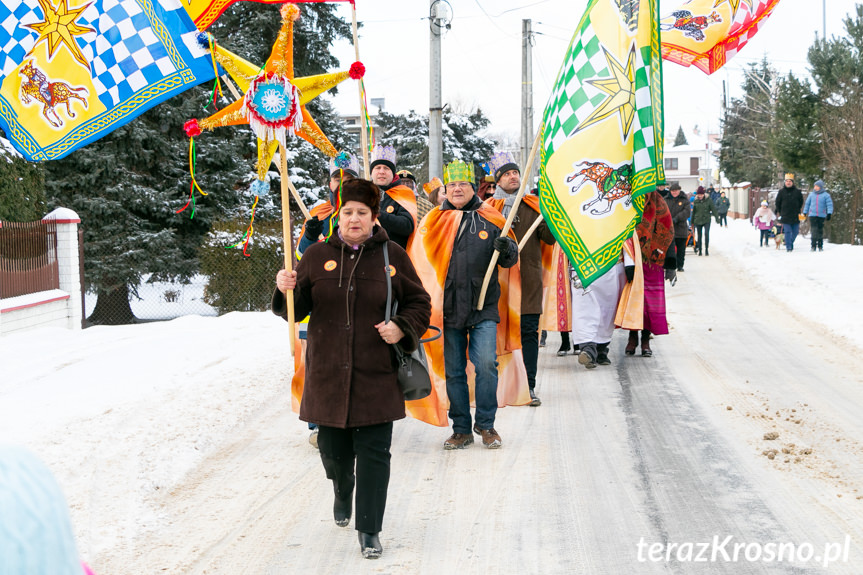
342	506
370	545
632	343
564	343
645	344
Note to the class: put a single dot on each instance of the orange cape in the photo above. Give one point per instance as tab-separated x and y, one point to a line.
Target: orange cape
430	253
630	308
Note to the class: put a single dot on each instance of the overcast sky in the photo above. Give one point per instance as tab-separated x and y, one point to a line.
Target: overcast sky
481	56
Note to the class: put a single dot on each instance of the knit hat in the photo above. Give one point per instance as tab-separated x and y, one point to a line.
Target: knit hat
699	190
35	530
362	191
499	164
820	184
764	203
385	155
344	161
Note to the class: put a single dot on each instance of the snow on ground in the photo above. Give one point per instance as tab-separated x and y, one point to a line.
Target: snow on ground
164	300
822	287
122	412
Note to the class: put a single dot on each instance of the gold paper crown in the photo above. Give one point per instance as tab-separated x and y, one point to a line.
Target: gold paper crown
789	176
458	171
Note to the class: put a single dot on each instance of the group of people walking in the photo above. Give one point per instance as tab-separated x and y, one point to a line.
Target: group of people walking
345	376
791	210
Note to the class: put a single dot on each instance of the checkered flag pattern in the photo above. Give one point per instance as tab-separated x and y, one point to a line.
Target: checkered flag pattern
16	40
573	99
126	55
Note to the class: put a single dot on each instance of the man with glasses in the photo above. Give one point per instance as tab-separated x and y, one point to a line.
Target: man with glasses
452	251
409	181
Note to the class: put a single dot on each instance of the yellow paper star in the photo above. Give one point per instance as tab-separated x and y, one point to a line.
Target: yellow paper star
620	88
280	63
59	26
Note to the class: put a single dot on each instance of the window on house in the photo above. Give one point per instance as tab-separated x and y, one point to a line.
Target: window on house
693	166
671	164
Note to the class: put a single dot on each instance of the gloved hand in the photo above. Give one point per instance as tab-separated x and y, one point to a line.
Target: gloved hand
314	227
671	275
828	217
630	273
501	244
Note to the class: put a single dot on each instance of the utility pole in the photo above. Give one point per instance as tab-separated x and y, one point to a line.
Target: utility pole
435	105
526	140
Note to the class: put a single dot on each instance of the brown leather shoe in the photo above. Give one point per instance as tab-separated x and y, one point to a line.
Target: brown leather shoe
458	441
490	438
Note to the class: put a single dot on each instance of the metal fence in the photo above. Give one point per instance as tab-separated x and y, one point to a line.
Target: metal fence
28	258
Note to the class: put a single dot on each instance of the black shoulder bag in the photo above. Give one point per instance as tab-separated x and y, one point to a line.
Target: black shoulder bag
413	371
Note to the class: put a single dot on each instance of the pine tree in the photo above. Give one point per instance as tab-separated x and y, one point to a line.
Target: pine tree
680	139
22	186
746	154
408	134
128	186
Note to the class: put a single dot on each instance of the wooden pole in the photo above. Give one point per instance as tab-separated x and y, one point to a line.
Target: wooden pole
529	233
288	238
509	220
364	138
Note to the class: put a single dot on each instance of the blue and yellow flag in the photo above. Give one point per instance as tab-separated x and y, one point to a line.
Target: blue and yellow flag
71	71
601	148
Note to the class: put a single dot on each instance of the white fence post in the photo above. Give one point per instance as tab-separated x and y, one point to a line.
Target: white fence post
69	265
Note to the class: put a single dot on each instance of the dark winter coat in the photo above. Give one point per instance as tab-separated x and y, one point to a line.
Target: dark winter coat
398	223
350	378
679	208
722	205
471	254
789	202
702	211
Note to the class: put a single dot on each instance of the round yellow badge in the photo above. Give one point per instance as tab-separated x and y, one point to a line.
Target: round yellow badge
483	235
390	209
330	265
392	270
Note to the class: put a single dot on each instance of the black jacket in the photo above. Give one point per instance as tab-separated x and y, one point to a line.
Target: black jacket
471	253
679	208
789	204
398	222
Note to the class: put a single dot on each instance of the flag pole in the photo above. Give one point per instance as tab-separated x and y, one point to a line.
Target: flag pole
288	238
509	220
529	233
364	138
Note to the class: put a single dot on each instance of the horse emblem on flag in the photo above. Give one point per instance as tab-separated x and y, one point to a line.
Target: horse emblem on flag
38	87
611	184
692	26
104	61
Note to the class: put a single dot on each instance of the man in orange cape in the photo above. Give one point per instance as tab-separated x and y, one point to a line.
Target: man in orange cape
398	203
451	252
532	256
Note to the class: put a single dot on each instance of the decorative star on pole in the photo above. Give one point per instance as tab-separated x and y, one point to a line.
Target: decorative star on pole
620	88
59	26
274	100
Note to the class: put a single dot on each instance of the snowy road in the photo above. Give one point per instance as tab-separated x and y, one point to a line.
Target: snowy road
620	466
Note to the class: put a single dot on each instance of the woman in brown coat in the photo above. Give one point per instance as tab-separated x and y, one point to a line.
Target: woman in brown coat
351	389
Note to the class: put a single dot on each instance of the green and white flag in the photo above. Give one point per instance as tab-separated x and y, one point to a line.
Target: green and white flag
602	131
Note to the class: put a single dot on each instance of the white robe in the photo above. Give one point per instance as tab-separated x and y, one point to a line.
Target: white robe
593	311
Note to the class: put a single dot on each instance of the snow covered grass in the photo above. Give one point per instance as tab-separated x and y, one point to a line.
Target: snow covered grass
822	287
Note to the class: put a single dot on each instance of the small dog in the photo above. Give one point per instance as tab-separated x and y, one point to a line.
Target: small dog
780	239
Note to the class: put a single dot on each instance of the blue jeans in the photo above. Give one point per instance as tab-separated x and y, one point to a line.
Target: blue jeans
790	231
481	343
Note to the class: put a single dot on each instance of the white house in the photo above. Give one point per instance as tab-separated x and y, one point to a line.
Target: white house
693	164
